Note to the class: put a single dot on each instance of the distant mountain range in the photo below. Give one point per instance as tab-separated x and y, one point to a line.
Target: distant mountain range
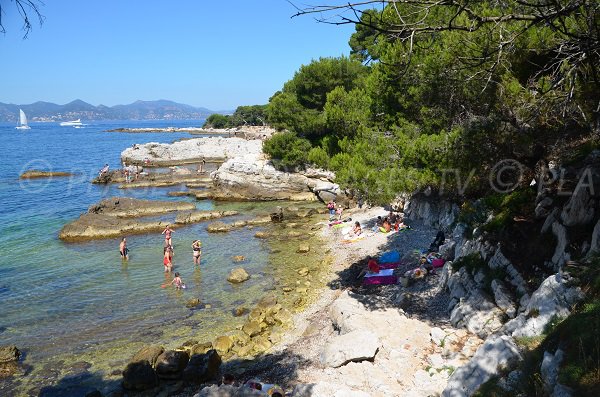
78	109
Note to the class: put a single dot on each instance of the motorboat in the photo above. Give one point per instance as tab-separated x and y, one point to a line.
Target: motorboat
72	123
22	121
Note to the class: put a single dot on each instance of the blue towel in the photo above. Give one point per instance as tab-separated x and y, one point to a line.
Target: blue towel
390	257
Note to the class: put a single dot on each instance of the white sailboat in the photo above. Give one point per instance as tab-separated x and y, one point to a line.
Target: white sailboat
22	121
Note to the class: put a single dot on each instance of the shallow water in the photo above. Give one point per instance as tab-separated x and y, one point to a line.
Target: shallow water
79	301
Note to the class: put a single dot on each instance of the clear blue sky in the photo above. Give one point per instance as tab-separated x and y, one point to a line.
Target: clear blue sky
216	54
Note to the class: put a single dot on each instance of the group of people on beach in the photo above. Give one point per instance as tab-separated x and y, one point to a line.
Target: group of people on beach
335	211
168	253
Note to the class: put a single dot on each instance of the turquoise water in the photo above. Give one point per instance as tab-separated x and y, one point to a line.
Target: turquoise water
80	301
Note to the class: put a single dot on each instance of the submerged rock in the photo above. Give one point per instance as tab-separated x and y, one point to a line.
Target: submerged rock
238	275
9	354
31	174
303	248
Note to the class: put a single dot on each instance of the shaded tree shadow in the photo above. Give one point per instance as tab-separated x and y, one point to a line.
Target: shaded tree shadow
424	299
279	368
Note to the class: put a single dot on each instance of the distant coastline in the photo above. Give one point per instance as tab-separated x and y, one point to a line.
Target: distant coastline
78	109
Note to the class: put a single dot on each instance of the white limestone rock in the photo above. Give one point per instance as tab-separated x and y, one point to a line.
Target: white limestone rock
354	346
497	353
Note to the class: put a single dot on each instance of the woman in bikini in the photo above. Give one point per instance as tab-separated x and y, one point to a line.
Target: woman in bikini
197	248
167	232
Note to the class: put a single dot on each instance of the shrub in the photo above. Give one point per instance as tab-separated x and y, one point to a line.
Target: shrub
287	150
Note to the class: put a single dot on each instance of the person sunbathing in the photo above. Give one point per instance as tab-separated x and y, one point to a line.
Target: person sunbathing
357	230
386	227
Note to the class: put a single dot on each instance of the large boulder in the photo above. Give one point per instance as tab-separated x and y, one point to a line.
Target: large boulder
354	346
202	367
171	364
139	376
148	353
253	178
238	275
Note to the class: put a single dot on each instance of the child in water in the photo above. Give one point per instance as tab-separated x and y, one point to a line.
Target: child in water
177	281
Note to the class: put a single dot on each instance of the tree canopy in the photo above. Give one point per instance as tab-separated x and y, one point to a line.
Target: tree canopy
458	84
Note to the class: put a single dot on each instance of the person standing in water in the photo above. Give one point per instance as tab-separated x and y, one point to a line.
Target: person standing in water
167	232
123	250
197	251
167	260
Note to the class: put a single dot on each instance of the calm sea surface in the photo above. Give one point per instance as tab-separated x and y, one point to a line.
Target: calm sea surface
80	302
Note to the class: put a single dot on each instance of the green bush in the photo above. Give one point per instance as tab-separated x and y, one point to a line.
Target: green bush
217	121
287	150
318	156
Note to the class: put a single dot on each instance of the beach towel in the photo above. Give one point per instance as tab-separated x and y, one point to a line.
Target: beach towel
353	239
389	257
438	262
391	265
385	276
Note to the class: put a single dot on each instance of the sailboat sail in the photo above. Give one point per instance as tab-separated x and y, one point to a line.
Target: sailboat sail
22	121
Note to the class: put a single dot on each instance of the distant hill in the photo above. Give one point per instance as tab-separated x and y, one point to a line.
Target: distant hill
78	109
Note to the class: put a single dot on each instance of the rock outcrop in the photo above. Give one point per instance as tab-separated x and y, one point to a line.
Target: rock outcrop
115	217
125	207
185	218
212	149
253	178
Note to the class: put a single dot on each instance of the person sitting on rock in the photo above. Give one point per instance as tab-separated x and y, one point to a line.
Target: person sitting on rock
104	170
357	230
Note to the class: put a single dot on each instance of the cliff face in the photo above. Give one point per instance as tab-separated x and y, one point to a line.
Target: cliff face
515	283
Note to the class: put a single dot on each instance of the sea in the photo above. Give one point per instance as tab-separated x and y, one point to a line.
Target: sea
77	309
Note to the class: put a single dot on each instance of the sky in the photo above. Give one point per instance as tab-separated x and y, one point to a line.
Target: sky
205	53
